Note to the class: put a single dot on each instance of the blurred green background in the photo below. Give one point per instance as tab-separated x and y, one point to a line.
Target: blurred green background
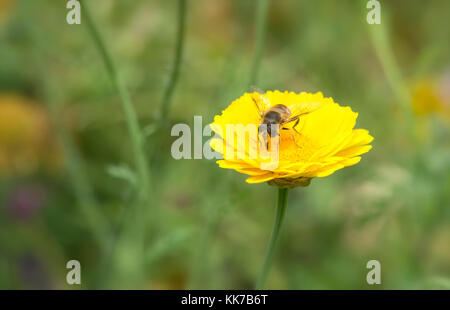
67	175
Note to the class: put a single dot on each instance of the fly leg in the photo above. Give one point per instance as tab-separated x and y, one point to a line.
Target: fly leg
297	120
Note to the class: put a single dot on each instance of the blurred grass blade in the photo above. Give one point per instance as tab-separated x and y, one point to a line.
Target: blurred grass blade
389	64
129	250
130	113
261	29
165	107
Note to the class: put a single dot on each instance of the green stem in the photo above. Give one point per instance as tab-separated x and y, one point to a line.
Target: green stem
177	60
268	260
261	27
132	238
130	114
391	69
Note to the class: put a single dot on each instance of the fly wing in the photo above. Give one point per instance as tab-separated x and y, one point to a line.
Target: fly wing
299	109
304	108
262	103
256	89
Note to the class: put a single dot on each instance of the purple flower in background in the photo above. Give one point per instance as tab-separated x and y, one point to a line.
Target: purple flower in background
26	201
33	273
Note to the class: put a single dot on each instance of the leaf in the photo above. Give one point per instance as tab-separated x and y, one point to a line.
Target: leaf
122	172
167	243
149	130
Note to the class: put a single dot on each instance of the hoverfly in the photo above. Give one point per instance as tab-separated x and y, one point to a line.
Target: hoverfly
279	115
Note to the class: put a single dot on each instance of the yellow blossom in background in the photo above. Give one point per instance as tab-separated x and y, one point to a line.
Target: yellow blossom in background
24	136
432	95
323	141
425	98
5	7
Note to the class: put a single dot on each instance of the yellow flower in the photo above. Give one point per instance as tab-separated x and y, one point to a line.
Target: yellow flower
323	141
432	95
5	7
25	140
425	98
